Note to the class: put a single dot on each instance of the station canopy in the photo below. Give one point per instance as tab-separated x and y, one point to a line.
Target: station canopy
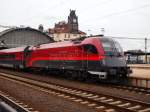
17	37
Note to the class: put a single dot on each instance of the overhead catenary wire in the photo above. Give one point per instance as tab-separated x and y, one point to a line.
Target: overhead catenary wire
132	38
95	6
47	9
127	11
119	13
8	26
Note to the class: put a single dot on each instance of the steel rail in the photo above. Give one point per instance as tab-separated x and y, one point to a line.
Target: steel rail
15	104
79	95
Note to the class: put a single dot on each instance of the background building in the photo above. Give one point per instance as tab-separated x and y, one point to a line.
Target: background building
137	57
67	30
15	37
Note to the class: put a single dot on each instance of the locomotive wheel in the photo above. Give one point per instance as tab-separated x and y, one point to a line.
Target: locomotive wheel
74	75
69	75
82	76
16	67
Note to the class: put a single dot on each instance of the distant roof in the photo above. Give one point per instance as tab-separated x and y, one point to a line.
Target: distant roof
62	27
27	29
2	29
5	31
136	52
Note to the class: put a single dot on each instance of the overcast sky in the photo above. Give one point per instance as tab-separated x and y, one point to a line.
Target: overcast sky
123	18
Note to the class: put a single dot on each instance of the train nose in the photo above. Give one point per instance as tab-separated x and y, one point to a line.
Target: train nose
114	62
116	67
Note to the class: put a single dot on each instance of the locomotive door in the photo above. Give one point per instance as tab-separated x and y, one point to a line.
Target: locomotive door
82	56
86	56
79	55
87	62
90	52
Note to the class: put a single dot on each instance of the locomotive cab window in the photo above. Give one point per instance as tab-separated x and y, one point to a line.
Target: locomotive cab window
111	47
119	49
90	49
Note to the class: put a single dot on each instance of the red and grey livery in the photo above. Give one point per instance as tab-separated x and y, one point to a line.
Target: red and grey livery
98	57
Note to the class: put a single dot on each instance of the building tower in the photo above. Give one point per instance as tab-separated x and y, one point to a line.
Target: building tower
73	22
41	28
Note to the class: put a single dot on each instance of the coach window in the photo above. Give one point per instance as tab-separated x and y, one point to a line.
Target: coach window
90	49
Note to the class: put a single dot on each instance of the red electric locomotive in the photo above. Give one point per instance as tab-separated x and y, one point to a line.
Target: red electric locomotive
98	57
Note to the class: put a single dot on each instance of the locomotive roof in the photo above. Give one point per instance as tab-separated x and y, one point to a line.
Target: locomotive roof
17	49
75	42
56	44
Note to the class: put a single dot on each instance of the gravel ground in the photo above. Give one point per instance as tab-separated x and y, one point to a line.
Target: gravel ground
43	102
48	103
92	87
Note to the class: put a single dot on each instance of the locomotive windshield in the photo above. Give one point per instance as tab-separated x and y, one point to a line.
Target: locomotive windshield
118	48
111	47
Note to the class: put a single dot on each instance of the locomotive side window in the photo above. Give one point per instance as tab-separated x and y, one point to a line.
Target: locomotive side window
6	56
90	49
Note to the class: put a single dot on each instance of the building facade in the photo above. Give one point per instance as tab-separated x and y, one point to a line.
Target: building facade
137	57
67	30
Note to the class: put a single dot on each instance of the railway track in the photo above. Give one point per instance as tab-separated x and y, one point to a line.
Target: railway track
124	87
100	102
10	104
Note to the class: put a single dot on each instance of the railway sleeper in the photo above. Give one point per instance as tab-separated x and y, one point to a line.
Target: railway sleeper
124	105
115	102
103	99
135	107
145	110
110	110
107	100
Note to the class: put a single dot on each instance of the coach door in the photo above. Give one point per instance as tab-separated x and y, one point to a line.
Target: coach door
25	57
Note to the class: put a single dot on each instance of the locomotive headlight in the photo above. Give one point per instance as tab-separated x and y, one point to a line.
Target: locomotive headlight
104	62
113	71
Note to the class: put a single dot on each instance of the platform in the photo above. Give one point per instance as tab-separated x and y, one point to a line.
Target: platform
143	66
141	73
140	70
